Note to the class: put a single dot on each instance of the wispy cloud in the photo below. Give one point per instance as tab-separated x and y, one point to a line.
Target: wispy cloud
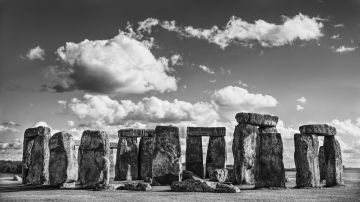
345	49
339	25
36	53
299	108
206	69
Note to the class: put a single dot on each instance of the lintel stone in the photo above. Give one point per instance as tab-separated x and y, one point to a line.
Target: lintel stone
206	131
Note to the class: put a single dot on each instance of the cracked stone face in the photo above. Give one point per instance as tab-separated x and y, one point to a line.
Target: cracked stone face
318	129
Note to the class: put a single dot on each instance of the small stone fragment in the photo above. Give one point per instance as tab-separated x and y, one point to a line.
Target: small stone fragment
222	175
318	129
333	159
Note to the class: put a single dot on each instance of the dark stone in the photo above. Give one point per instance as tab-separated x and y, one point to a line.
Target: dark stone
136	186
206	131
194	155
216	154
126	167
94	163
266	129
136	133
306	160
166	166
190	175
322	164
36	156
256	119
226	188
244	152
318	129
146	152
63	166
192	185
222	175
269	166
333	160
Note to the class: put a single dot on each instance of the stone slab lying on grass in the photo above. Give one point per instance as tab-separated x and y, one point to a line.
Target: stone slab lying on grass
318	129
192	185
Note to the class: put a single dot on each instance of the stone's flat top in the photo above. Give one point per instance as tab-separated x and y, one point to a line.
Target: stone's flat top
130	132
206	131
94	139
256	119
318	129
32	132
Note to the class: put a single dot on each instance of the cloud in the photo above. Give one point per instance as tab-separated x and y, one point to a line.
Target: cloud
237	31
302	100
242	99
104	110
36	53
335	36
121	65
176	59
242	84
9	126
347	127
44	124
71	123
16	144
299	108
146	25
339	25
344	49
206	69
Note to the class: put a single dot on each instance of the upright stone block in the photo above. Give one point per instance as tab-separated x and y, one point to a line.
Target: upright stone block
194	155
244	152
36	154
333	160
306	160
216	154
94	163
146	152
322	164
166	165
112	159
63	166
269	166
126	167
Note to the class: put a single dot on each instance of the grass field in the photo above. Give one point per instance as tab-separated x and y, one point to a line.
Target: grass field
14	191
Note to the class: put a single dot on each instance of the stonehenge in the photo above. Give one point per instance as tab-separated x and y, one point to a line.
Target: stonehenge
166	163
314	165
63	166
36	156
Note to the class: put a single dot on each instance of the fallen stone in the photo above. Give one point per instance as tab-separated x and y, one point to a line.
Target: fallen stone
216	154
136	186
322	164
126	167
244	152
256	119
68	185
269	166
148	180
192	185
94	160
318	129
266	129
63	165
222	175
166	164
146	152
189	175
306	160
333	160
194	155
226	188
36	156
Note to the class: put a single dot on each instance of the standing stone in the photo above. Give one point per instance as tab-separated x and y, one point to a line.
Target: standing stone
216	154
36	156
112	159
267	129
306	160
146	152
63	167
322	164
166	166
126	167
269	166
244	152
94	163
333	160
194	155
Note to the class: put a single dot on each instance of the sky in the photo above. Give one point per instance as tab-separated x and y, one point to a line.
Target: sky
110	65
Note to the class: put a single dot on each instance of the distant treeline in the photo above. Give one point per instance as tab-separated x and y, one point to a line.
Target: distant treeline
10	167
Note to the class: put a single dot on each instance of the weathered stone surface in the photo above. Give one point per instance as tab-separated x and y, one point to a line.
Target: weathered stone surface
166	165
306	160
244	152
333	159
256	119
192	185
269	166
318	129
136	186
194	155
266	129
322	164
63	166
36	156
206	131
189	175
136	133
126	167
94	163
146	152
222	175
216	154
112	158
